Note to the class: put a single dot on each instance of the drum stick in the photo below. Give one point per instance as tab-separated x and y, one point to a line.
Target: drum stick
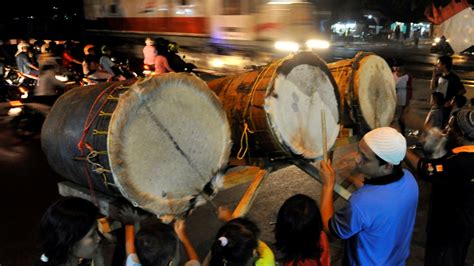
324	138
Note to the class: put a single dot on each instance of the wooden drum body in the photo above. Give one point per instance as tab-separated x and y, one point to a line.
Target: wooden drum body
367	90
275	111
158	142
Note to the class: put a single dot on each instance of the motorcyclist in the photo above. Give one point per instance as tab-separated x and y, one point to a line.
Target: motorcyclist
175	61
108	65
149	53
23	62
91	67
68	60
48	87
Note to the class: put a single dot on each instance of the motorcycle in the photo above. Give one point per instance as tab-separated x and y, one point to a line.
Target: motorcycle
123	69
8	90
30	112
441	46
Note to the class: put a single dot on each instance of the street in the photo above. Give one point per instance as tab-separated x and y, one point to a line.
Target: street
30	186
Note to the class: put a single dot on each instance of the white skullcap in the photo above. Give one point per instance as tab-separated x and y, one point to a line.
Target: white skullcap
387	143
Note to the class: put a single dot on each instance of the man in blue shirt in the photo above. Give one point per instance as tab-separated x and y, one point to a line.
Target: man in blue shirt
377	222
22	61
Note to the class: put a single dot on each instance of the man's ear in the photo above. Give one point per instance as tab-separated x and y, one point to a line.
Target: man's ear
387	168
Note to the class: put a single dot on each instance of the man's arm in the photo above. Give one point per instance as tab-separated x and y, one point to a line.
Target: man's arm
328	177
180	229
434	79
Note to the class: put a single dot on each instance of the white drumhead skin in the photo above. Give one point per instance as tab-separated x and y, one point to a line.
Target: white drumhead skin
294	110
168	137
376	91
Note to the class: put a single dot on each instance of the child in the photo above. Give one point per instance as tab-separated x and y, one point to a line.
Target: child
434	118
68	232
237	243
155	243
299	233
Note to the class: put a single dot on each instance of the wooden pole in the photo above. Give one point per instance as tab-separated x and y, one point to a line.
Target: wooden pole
247	199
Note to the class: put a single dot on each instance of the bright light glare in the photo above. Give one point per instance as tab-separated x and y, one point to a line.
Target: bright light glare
14	111
287	46
317	44
216	62
61	78
437	39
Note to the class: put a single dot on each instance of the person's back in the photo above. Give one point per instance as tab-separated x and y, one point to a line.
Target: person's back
161	65
106	62
149	52
48	85
383	236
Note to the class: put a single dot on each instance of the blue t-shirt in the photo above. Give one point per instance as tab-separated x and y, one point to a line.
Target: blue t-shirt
378	222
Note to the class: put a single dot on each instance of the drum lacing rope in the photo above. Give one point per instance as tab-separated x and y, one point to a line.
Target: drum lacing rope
246	130
87	124
97	167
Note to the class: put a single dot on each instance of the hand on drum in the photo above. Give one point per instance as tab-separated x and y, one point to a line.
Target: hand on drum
180	228
130	215
224	213
327	173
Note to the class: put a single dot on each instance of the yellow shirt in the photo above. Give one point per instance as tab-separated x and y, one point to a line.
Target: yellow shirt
266	255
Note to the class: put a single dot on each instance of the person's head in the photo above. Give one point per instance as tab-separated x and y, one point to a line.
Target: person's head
89	49
105	50
149	41
437	99
156	243
381	151
68	230
461	128
444	63
45	48
236	243
298	228
399	67
459	101
173	47
434	143
23	47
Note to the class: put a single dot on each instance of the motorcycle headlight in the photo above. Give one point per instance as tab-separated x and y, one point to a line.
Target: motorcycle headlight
61	78
317	44
287	46
216	63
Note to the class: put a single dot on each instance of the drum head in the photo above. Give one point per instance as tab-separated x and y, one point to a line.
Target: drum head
303	89
375	87
168	138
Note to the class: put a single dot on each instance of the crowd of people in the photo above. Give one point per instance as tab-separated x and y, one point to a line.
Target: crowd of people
376	223
92	62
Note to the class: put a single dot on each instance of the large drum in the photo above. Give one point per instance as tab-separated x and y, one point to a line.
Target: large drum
160	142
275	111
367	90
